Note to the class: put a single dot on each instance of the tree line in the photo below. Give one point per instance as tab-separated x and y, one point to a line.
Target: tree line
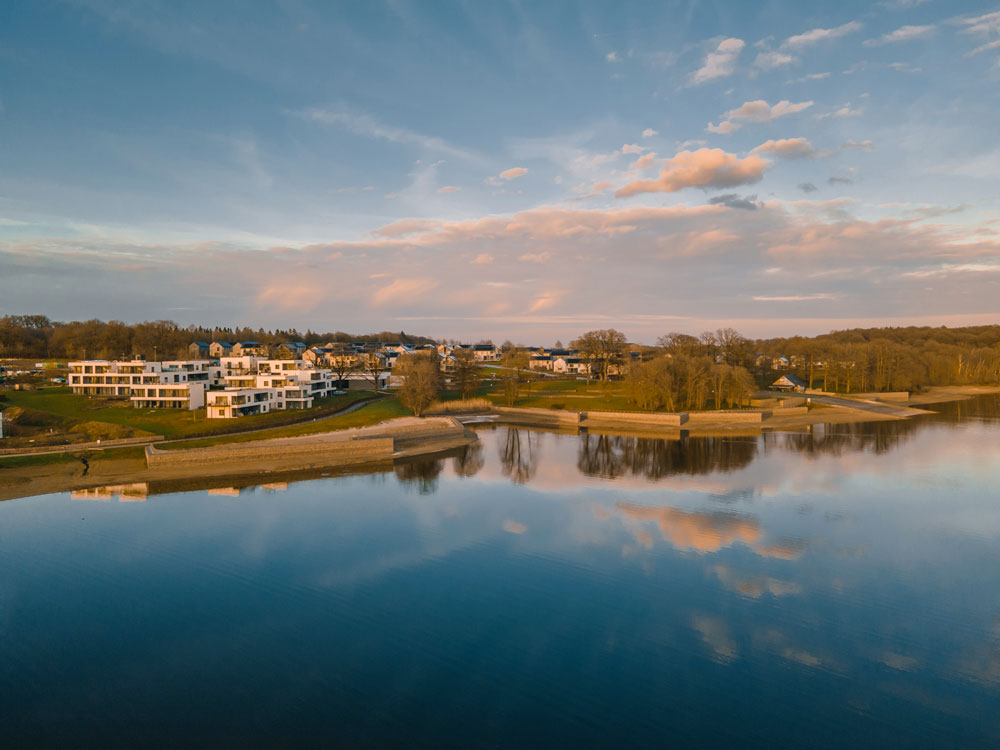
36	336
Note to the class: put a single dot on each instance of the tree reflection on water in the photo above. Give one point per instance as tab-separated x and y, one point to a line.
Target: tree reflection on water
519	455
422	474
611	456
469	460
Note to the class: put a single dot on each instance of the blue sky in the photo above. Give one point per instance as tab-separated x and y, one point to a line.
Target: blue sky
528	170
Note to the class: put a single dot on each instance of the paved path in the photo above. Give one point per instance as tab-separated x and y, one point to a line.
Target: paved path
876	407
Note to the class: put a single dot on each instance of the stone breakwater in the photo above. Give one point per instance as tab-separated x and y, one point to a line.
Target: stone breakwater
395	439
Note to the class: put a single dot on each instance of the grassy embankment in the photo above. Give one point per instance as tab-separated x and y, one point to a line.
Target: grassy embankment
66	410
373	413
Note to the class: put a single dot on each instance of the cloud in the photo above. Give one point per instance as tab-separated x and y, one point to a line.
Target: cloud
368	126
612	57
840	180
448	189
865	145
773	59
705	168
402	292
757	111
632	148
483	259
721	63
645	161
513	173
787	148
800	41
794	298
902	34
514	527
546	300
810	77
732	200
807	187
723	128
649	133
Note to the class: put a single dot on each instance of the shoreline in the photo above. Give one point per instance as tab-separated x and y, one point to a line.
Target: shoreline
380	447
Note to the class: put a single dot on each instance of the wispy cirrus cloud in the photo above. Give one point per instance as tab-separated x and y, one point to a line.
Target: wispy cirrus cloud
368	126
902	34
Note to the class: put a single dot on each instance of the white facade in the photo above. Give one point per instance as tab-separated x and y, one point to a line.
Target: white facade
178	384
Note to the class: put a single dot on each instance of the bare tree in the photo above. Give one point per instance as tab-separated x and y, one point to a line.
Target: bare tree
602	348
511	365
421	381
375	366
343	362
466	371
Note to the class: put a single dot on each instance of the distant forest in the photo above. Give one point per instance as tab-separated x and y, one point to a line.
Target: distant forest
33	336
850	361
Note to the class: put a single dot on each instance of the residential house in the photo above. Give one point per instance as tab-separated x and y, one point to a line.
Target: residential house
199	349
252	348
290	350
218	349
486	352
788	383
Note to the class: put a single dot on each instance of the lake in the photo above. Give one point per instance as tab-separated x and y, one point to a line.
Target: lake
832	588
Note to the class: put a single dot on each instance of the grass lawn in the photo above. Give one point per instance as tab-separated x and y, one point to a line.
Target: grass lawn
16	462
171	423
573	395
373	413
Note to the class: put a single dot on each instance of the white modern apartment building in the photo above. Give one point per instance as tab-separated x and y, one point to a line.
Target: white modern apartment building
177	384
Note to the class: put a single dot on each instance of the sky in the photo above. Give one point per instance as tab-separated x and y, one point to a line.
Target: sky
524	171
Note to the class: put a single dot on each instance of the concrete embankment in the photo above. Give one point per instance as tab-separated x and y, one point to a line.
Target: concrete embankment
395	439
539	417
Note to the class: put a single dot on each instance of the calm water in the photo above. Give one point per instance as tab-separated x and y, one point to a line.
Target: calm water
839	588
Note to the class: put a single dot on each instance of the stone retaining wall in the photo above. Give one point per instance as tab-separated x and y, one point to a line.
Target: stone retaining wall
289	455
724	417
598	418
539	416
788	412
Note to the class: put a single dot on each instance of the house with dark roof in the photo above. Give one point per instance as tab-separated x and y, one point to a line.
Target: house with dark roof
199	349
220	349
290	350
788	382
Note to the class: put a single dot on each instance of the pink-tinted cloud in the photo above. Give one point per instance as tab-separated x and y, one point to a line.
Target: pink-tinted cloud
645	161
704	168
513	173
756	111
787	148
402	292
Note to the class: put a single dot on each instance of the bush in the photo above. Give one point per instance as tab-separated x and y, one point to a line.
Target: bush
458	407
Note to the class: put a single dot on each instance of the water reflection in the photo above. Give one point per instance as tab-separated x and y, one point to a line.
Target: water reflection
519	454
611	456
420	473
469	460
706	531
569	610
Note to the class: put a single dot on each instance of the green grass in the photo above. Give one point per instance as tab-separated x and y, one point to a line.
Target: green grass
572	395
17	462
373	413
171	423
